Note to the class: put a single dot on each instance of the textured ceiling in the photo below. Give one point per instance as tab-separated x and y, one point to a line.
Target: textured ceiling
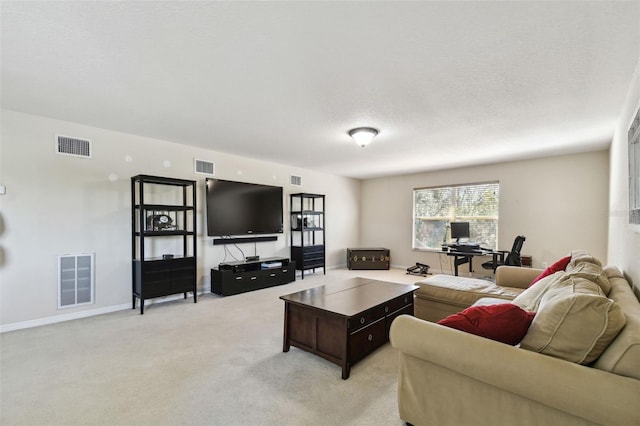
447	83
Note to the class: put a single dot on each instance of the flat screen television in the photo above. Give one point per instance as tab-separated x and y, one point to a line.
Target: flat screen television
239	208
459	230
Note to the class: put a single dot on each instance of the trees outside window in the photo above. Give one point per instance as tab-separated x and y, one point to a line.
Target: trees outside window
435	208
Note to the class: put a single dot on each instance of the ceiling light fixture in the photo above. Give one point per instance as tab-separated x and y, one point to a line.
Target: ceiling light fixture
363	135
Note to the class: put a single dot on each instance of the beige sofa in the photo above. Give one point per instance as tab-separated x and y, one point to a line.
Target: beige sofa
442	295
450	377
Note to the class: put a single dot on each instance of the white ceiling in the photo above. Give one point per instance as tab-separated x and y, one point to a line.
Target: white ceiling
447	83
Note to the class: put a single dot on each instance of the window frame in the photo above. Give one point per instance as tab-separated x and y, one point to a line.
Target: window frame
633	138
452	216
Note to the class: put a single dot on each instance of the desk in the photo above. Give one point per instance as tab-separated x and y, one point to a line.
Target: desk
462	257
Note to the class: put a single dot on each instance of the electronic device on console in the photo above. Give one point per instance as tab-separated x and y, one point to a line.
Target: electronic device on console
242	208
460	230
247	266
467	248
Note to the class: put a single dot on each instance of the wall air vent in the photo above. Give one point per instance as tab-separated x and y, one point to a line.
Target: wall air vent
204	167
295	180
66	145
75	279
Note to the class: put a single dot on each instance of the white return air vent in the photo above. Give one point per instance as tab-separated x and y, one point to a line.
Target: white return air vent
204	167
295	180
76	147
75	279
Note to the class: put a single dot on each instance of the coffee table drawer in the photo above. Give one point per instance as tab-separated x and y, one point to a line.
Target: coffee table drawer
397	303
365	340
365	318
407	310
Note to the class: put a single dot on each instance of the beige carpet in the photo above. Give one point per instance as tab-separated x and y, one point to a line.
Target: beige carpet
217	362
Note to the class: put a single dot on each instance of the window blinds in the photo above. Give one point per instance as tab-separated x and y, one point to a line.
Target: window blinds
435	208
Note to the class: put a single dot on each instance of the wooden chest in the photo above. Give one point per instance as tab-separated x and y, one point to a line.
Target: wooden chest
368	258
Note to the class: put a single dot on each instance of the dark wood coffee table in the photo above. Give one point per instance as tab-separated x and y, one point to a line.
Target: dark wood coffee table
345	321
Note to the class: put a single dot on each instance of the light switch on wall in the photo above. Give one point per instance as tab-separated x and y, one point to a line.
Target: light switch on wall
3	189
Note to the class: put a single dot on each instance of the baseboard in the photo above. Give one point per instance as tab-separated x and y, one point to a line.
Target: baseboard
5	328
61	318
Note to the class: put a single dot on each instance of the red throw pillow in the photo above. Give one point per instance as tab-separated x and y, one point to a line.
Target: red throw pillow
560	265
505	322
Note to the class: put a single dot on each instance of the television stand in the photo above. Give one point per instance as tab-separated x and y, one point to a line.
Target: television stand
239	277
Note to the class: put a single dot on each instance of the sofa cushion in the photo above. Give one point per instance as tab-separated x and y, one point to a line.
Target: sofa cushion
592	272
462	291
574	326
504	322
486	301
580	256
623	354
558	266
530	298
568	285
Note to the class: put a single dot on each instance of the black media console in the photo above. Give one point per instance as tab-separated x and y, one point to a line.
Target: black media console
239	277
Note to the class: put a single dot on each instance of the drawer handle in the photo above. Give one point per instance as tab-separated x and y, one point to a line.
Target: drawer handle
254	278
386	309
238	278
284	270
362	320
273	275
370	338
406	299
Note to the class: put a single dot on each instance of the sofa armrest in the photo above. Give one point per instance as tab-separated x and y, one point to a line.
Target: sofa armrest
515	276
585	392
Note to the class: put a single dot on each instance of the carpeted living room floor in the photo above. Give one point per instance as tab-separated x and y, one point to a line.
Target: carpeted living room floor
217	362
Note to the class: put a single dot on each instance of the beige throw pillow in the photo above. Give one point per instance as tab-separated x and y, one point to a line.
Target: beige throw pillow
580	256
577	327
568	285
530	298
592	272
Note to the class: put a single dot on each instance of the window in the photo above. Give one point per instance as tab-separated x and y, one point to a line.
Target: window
634	170
435	208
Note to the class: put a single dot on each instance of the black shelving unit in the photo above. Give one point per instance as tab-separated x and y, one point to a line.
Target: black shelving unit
307	231
163	237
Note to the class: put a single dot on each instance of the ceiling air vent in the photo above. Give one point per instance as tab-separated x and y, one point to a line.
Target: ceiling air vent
66	145
295	180
204	167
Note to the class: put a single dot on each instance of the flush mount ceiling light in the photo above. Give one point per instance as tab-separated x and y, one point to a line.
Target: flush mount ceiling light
363	135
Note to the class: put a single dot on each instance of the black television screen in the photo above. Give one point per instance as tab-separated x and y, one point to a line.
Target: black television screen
459	230
238	208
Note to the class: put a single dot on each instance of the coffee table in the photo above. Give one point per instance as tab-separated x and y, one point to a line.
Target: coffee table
344	321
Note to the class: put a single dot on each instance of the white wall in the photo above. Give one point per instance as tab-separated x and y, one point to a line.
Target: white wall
56	204
59	204
557	203
624	239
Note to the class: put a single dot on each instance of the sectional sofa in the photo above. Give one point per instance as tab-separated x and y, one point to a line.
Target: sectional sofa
578	361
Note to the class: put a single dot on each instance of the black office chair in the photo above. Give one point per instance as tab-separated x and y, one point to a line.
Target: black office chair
512	257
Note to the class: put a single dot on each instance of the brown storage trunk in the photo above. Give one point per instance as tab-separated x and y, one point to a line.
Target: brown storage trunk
368	258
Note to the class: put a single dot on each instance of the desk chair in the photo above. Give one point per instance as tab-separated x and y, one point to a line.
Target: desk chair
513	256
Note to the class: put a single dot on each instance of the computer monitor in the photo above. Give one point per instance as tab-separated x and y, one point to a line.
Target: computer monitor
459	230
